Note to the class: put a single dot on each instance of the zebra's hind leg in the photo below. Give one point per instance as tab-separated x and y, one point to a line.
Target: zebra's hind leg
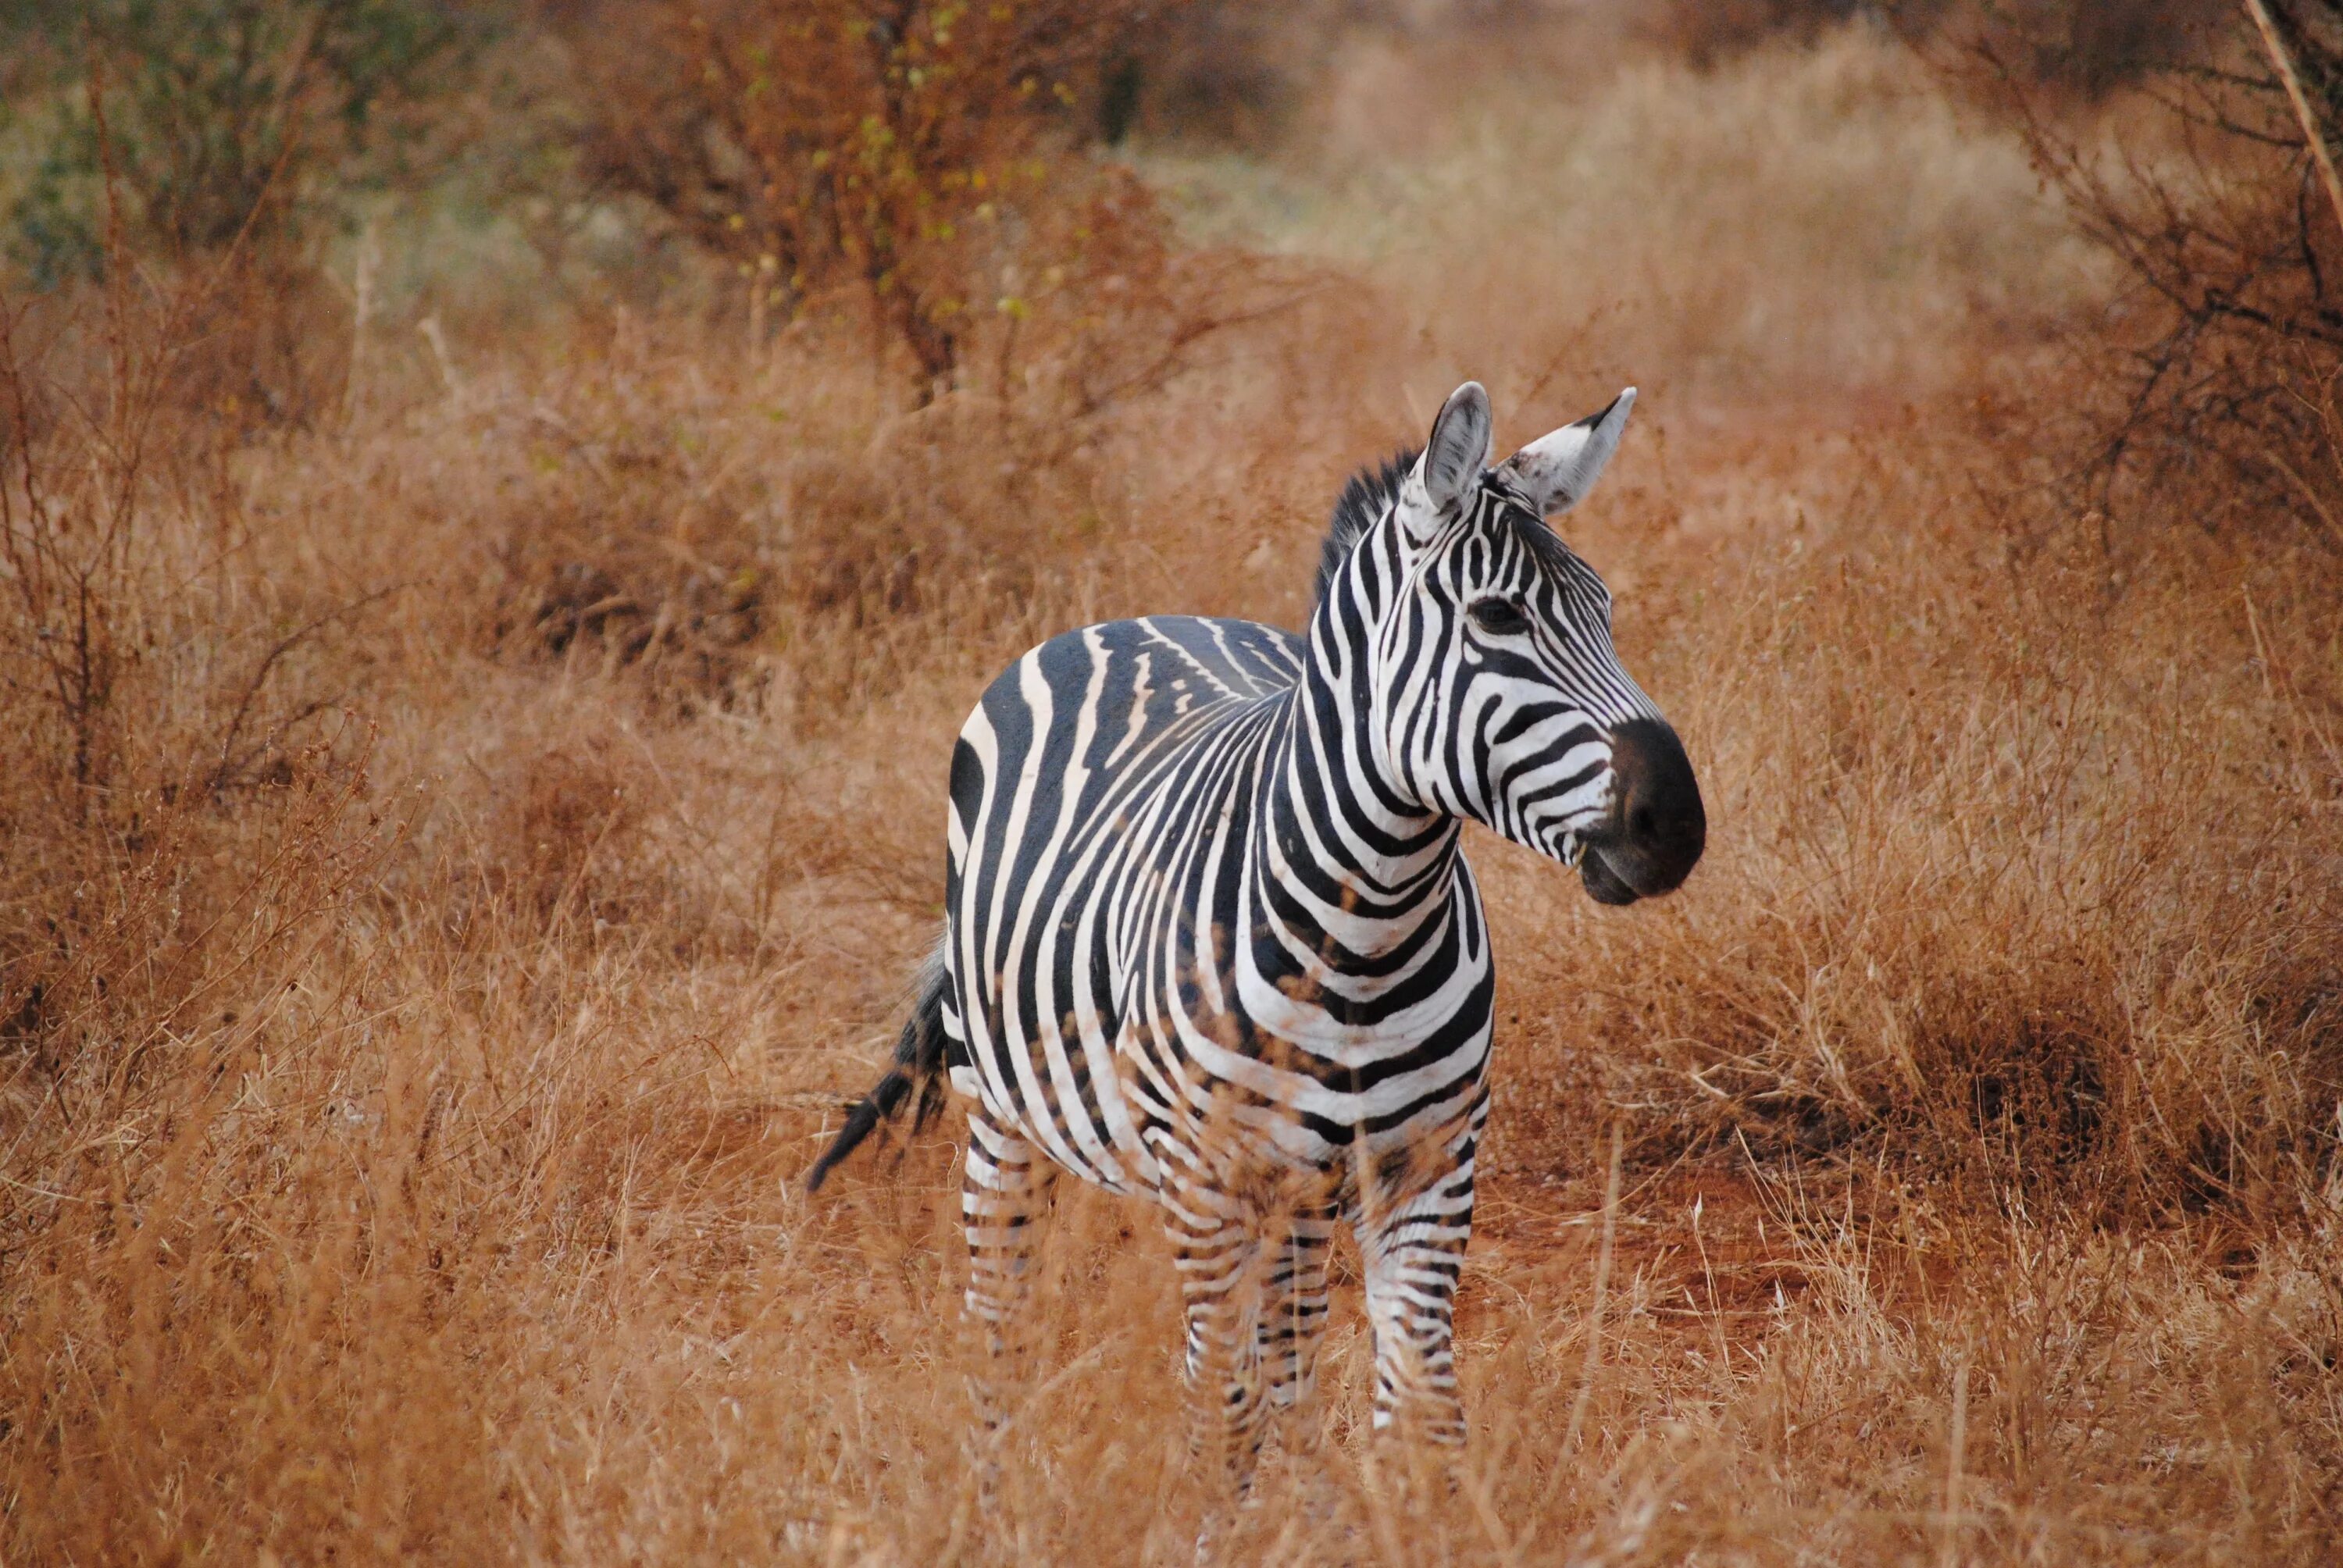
1006	1181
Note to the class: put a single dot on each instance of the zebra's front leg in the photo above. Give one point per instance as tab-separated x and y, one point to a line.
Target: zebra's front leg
1293	1303
1216	1249
1006	1181
1293	1323
1413	1249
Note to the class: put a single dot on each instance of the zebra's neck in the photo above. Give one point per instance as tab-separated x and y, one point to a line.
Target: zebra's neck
1351	870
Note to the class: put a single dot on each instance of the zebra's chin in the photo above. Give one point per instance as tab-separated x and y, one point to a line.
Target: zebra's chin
1603	885
1624	871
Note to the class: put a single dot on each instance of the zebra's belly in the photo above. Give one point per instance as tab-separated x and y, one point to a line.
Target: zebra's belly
1121	1113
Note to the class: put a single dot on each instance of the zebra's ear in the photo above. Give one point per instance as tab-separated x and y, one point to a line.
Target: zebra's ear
1557	470
1460	446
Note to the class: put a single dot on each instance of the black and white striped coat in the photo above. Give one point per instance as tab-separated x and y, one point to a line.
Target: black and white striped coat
1210	939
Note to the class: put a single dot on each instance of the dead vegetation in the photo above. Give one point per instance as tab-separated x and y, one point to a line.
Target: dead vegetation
2214	365
458	856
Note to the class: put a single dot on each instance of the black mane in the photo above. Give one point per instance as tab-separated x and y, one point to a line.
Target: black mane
1365	499
1371	491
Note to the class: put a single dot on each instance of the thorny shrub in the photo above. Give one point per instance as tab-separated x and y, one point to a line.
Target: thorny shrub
167	136
771	532
2202	185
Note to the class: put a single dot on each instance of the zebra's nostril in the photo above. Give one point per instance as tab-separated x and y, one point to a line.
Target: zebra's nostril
1642	824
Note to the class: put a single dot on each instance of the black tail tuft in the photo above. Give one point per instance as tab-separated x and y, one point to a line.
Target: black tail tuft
918	1064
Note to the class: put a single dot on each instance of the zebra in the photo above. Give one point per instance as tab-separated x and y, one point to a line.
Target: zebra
1211	938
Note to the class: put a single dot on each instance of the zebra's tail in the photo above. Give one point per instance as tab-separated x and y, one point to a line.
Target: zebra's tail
919	1064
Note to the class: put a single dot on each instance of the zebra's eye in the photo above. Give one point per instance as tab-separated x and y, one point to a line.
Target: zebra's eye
1498	617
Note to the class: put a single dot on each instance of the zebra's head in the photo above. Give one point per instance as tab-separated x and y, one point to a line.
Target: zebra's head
1498	695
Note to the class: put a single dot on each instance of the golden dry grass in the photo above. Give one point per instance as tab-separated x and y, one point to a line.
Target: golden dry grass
402	1141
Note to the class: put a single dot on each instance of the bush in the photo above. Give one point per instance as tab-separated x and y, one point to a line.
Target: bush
1214	72
1705	31
183	788
910	154
214	118
2225	351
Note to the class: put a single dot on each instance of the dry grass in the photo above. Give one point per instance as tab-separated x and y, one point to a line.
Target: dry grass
1807	224
401	1143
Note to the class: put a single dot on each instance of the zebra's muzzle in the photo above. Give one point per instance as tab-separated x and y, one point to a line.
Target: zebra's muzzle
1657	826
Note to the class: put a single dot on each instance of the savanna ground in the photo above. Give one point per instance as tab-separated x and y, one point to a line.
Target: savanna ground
466	835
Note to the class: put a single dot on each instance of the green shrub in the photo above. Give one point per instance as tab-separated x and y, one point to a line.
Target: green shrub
212	119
